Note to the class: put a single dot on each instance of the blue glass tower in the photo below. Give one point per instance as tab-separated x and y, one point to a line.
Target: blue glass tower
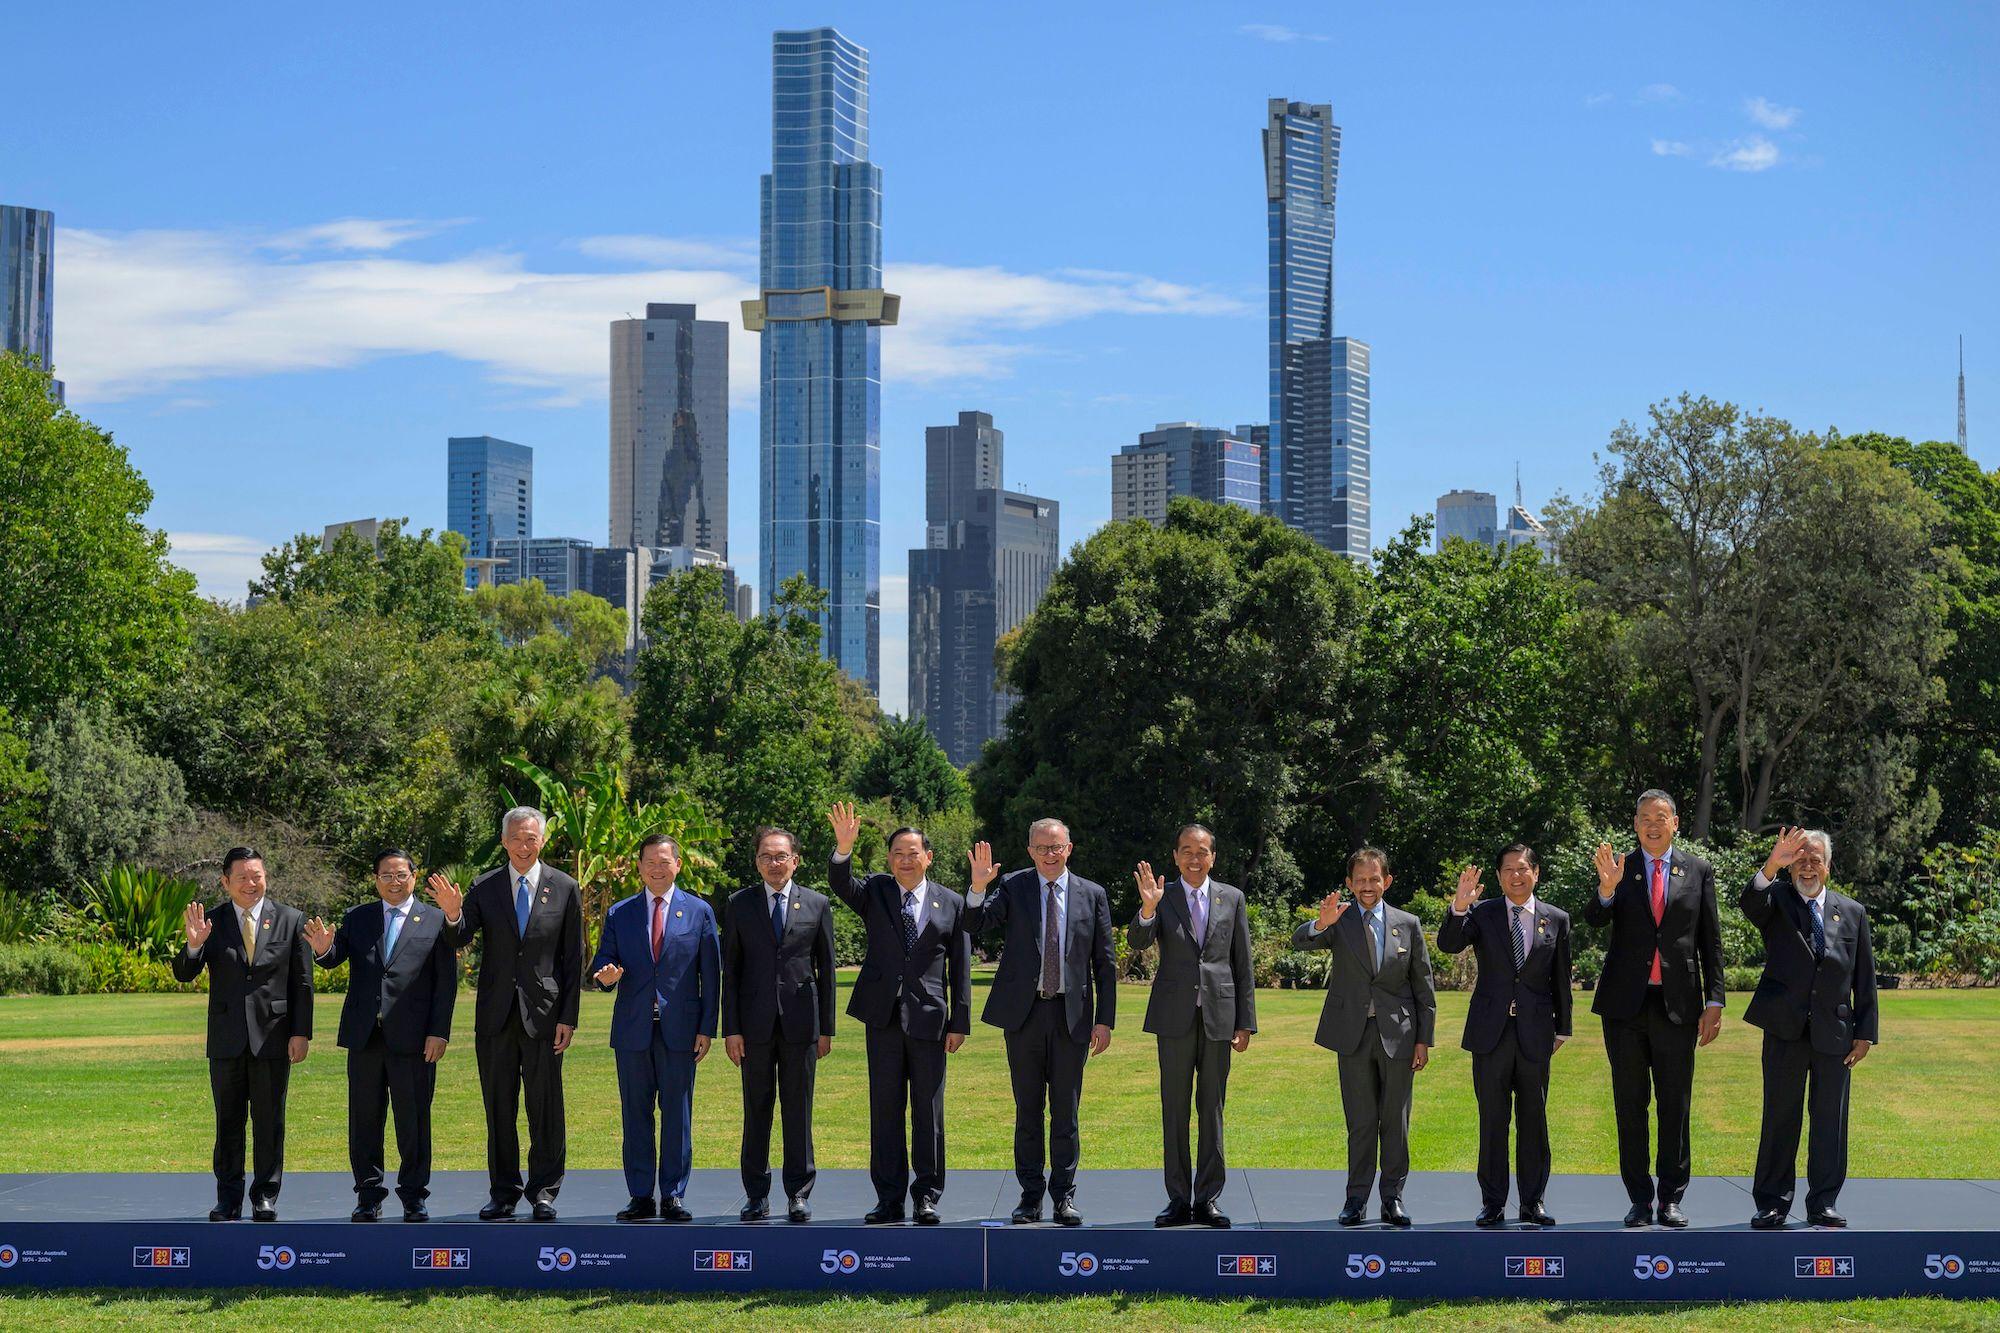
489	492
820	313
1317	462
27	285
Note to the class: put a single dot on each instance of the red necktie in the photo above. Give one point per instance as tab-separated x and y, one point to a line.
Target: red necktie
660	925
1659	909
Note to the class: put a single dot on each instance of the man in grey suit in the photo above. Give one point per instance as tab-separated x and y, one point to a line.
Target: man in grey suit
1380	1018
1203	1006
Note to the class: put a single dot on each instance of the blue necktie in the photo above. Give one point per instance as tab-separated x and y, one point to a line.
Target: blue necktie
521	895
1520	947
389	935
777	916
1818	929
1375	937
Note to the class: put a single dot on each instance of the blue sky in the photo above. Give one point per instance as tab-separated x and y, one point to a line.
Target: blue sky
295	257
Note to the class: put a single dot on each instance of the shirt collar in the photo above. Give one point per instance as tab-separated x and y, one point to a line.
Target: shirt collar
1195	888
664	897
1528	906
1667	859
402	909
533	872
1060	881
770	893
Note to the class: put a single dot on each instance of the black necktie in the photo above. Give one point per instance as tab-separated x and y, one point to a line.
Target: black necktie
1051	945
909	921
1818	932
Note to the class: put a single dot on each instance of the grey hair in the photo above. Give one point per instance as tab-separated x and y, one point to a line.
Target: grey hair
521	814
1825	845
1043	825
1655	794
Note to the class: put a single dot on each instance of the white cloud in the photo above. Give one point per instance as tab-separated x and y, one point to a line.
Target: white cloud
1755	153
147	312
222	563
1770	115
1597	99
1659	92
1278	32
351	234
1671	148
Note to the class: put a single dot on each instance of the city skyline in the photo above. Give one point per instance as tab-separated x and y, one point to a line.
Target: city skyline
1649	211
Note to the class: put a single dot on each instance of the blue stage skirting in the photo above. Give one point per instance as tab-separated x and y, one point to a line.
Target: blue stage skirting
1950	1247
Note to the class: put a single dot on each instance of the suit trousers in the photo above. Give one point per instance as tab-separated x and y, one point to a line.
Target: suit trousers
512	1063
778	1072
1045	1065
1652	1058
377	1082
656	1079
904	1071
249	1086
1790	1069
1193	1066
1375	1097
1511	1089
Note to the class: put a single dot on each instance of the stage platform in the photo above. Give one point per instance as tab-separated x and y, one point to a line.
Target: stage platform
1929	1237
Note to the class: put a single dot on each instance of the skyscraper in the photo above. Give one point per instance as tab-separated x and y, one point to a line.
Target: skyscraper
1317	465
989	555
27	285
820	372
670	430
1185	458
489	492
1472	516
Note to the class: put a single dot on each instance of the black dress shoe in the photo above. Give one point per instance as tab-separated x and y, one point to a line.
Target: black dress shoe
1825	1217
1178	1214
637	1210
927	1214
1641	1215
264	1212
883	1216
1066	1214
495	1210
1536	1215
1393	1214
416	1212
544	1211
1208	1215
221	1214
798	1210
754	1210
1350	1214
367	1212
1492	1215
1769	1219
673	1210
1672	1216
1025	1212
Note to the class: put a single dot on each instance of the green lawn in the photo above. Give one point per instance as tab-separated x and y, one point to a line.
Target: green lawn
117	1082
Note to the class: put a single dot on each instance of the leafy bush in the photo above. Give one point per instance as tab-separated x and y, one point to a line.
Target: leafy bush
117	969
1952	907
23	915
1743	978
140	908
42	969
1303	969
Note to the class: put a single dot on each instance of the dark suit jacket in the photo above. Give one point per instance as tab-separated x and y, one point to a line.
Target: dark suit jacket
413	991
1538	994
542	971
684	984
1830	998
1013	908
772	989
1688	939
936	975
1405	1002
260	1007
1217	968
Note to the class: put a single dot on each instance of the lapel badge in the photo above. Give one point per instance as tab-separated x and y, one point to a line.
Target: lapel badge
678	914
1836	916
1677	870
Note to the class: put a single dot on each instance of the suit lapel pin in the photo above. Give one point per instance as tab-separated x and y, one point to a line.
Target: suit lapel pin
678	914
1836	916
1677	870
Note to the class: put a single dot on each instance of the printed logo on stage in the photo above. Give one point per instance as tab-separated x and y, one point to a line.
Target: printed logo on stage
441	1258
1084	1264
722	1261
11	1254
846	1263
1950	1267
564	1259
162	1256
1660	1267
1534	1265
1823	1265
1372	1266
1246	1265
284	1258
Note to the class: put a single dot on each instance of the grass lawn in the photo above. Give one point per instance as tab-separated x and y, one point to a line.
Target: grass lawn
118	1083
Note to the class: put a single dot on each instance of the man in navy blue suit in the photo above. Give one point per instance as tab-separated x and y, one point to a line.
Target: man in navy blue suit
659	950
394	1026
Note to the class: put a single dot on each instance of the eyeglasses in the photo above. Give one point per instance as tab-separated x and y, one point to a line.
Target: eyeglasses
1049	848
394	876
774	858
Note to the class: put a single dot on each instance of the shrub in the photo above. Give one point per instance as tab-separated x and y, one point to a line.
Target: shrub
23	915
142	909
117	969
42	969
1741	978
1304	969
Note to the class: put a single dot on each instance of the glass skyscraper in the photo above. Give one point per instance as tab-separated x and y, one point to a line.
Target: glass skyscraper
820	312
1185	458
1317	463
27	285
489	492
670	430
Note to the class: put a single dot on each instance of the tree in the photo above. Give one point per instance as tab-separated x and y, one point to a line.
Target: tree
523	612
21	788
91	604
419	580
107	799
906	766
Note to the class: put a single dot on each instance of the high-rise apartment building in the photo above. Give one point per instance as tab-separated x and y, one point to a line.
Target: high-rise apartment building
670	430
27	285
489	492
1185	458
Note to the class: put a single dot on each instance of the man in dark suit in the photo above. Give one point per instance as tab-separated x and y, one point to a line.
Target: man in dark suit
1816	1004
1518	1019
1659	996
394	1026
1203	1006
658	949
260	1007
914	998
530	919
777	1017
1055	996
1380	1019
